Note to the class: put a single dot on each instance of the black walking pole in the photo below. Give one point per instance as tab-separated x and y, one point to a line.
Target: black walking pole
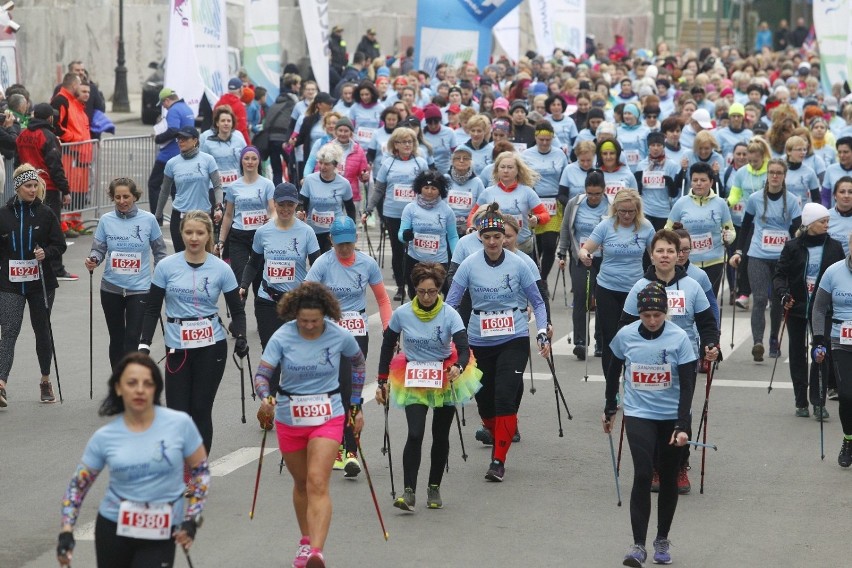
369	242
588	339
780	339
386	448
557	392
251	377
734	311
91	338
242	386
821	410
532	379
458	421
50	328
614	467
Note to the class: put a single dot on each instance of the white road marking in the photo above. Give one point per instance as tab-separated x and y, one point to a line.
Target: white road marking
235	460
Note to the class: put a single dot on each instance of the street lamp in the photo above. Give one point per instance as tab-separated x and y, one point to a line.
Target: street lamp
120	102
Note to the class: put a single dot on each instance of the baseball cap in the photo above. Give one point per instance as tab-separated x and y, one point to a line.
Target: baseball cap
343	230
235	84
432	111
187	132
702	117
371	31
501	103
830	103
165	93
453	109
736	108
337	29
43	111
286	192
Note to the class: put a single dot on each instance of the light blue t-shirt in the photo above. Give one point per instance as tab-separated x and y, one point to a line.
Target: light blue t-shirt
704	223
434	229
426	341
308	366
655	194
347	283
249	199
586	219
379	143
193	292
839	228
225	152
466	246
622	249
749	183
461	197
128	258
327	199
443	143
634	144
837	281
727	139
518	203
365	120
703	280
645	392
549	166
192	181
574	178
769	235
144	467
566	130
481	157
399	176
285	254
622	178
833	173
800	181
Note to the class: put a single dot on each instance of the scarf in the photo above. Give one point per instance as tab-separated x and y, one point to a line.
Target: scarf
461	179
423	314
190	154
427	203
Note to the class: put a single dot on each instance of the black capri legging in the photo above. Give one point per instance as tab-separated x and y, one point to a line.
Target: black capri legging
397	250
123	315
192	380
608	307
546	245
239	250
502	369
442	421
344	378
113	551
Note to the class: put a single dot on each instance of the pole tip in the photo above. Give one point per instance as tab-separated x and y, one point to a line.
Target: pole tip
619	503
386	536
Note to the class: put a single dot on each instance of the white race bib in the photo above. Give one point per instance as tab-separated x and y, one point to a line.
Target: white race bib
773	241
425	243
425	375
280	271
229	176
846	333
632	157
354	322
310	409
677	302
459	199
550	205
493	324
364	134
148	522
322	219
125	262
196	333
23	270
811	283
651	377
702	242
738	208
403	193
653	180
611	189
254	219
520	147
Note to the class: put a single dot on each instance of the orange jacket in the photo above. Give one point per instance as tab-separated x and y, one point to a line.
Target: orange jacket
72	124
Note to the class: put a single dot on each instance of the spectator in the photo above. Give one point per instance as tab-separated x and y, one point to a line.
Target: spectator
96	99
763	38
337	45
277	124
782	36
178	115
800	34
352	73
257	110
233	98
369	45
72	124
619	50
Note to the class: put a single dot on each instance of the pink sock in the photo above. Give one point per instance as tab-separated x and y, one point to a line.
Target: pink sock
305	540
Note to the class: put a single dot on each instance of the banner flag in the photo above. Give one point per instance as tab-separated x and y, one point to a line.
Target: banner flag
315	22
262	45
182	65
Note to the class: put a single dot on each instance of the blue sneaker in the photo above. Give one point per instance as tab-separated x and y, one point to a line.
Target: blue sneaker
774	348
661	551
635	556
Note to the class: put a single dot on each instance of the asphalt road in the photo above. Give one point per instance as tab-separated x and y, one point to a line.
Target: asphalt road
768	500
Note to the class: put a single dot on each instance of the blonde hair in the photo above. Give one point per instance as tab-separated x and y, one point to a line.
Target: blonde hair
201	217
794	141
526	175
628	195
703	138
481	121
585	147
398	135
326	120
42	187
758	144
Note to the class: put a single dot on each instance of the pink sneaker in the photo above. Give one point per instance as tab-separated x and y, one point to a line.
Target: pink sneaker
301	560
315	559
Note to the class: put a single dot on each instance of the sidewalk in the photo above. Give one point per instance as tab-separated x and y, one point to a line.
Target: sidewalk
135	114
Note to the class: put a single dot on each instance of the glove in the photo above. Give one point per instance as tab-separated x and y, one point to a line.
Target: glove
264	419
727	236
190	528
66	543
408	235
160	221
818	352
354	409
542	340
241	347
560	256
786	299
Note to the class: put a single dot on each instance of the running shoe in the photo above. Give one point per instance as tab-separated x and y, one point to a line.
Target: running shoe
635	556
845	457
774	348
598	350
338	461
742	302
4	402
398	296
351	468
496	471
47	391
517	437
802	412
433	497
315	559
661	551
820	410
833	395
301	559
483	435
580	351
757	352
655	482
67	276
683	486
406	502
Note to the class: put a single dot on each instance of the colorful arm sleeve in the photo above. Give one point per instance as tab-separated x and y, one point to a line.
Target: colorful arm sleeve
199	481
263	379
76	492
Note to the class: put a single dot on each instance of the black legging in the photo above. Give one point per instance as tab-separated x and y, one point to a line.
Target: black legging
647	438
500	380
174	230
113	551
546	246
276	163
344	378
805	377
578	284
11	319
267	319
397	251
324	241
843	371
608	307
239	249
442	420
714	273
123	315
192	379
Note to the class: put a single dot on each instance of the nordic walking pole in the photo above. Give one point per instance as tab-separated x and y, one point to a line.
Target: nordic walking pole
704	445
387	448
706	407
532	379
614	468
242	386
557	393
266	424
188	559
704	419
50	328
369	242
588	319
251	378
822	400
620	444
780	340
370	483
564	286
734	311
458	421
91	337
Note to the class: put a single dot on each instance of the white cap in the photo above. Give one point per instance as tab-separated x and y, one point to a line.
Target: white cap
813	212
651	71
702	117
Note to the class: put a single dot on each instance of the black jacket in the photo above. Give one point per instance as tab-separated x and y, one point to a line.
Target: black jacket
790	275
22	227
277	119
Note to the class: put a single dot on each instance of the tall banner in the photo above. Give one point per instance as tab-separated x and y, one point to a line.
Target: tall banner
262	45
832	21
455	31
507	32
568	25
541	13
315	22
211	46
182	65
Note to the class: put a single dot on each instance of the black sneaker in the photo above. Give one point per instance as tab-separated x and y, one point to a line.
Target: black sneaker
598	350
47	391
833	395
757	352
4	402
484	436
580	351
496	471
517	437
398	296
845	457
774	348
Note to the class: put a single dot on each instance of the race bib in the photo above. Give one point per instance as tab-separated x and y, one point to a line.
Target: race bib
425	243
651	377
364	134
403	193
125	262
773	241
738	208
653	180
811	282
310	409
354	322
846	333
702	242
280	271
23	270
322	219
145	521
424	375
196	333
612	188
549	204
254	219
494	324
341	167
632	157
520	147
459	200
229	176
677	302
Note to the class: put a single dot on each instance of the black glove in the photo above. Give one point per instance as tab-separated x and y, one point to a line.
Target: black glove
160	221
542	340
66	543
190	528
241	347
408	235
560	256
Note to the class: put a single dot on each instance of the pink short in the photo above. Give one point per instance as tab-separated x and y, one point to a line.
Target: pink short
296	438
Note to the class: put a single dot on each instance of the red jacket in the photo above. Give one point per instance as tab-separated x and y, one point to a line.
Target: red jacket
239	109
38	145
